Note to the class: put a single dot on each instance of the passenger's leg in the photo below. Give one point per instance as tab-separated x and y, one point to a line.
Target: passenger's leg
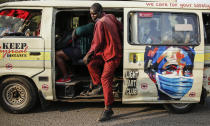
61	57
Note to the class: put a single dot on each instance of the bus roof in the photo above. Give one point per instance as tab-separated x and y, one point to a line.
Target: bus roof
108	4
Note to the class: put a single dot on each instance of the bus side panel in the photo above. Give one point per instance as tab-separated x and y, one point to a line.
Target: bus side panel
147	78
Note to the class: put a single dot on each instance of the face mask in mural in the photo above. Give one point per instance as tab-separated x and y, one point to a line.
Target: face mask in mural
170	68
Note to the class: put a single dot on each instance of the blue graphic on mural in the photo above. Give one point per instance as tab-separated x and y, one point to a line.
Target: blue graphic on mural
170	68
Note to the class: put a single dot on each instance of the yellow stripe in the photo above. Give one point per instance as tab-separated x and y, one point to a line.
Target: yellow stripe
139	57
1	55
199	58
47	55
207	56
27	56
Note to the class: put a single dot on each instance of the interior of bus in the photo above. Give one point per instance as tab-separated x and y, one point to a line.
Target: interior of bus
65	22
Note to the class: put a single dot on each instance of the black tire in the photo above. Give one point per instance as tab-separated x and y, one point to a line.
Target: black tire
17	95
179	108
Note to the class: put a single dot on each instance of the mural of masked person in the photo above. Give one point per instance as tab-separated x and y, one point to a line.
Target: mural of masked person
171	69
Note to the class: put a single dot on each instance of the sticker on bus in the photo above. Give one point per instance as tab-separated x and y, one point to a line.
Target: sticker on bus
145	14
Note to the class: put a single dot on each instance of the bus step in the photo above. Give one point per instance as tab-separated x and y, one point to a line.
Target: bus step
68	83
66	89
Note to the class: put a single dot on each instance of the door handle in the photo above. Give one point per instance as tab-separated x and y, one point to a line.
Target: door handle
35	53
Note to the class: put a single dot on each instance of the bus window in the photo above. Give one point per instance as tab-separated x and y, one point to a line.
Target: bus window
161	28
15	22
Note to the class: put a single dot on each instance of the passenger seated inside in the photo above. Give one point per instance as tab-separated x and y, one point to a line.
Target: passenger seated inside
78	44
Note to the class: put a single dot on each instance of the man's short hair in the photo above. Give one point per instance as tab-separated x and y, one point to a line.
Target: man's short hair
97	7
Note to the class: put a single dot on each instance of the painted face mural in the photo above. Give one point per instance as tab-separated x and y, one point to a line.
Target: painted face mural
170	68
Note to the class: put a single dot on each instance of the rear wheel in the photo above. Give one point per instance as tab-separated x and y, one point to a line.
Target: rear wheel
180	108
17	95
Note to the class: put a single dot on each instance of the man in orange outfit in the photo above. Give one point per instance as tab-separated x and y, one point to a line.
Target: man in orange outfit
104	55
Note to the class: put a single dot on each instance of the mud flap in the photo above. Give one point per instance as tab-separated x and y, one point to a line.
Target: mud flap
44	103
203	96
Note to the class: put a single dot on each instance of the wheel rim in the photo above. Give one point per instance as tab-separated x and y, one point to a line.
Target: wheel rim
180	105
15	95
